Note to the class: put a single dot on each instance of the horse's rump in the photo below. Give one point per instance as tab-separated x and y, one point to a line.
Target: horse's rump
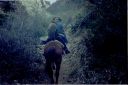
53	48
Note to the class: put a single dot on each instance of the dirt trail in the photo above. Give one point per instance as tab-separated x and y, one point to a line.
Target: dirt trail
64	71
70	62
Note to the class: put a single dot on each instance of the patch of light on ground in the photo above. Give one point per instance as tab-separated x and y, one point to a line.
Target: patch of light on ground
51	1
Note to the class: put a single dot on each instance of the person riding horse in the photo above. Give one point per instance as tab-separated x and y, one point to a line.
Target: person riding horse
54	49
56	32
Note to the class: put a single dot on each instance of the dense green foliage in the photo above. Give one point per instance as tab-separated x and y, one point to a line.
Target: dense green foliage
19	39
107	42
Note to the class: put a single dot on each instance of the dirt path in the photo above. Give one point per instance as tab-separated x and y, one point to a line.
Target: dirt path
66	65
64	71
70	61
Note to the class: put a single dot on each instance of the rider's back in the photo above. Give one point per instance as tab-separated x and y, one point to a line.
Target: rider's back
52	30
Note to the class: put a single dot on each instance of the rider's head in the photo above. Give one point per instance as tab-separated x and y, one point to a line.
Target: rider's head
53	20
58	19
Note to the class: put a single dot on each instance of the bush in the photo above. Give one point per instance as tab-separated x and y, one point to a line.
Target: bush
106	43
20	59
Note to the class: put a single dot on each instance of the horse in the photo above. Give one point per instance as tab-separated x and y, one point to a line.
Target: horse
53	52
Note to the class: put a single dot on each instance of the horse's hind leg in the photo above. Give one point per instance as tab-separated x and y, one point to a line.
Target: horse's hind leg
51	75
49	70
58	64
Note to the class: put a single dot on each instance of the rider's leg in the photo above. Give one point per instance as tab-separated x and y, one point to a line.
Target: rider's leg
65	47
48	40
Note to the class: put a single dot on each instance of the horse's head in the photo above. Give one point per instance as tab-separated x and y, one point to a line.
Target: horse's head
54	46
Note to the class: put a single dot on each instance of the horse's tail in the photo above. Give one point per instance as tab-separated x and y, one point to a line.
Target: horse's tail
51	51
